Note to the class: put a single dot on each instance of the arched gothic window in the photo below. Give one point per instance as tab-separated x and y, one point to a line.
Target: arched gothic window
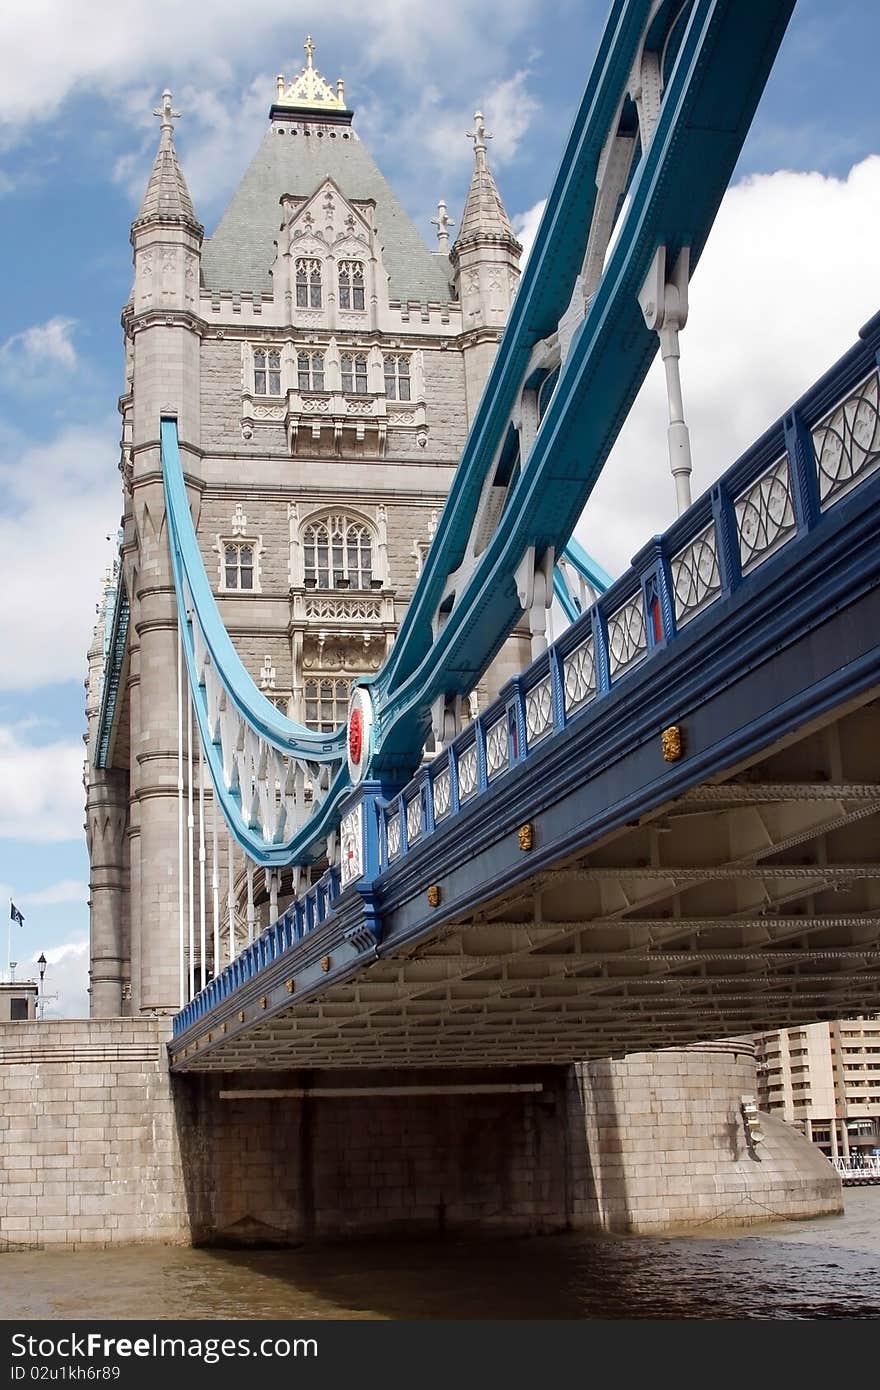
351	285
310	371
326	702
354	372
337	554
267	372
238	565
397	378
308	284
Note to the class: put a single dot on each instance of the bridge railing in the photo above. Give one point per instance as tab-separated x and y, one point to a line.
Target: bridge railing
301	917
821	449
780	488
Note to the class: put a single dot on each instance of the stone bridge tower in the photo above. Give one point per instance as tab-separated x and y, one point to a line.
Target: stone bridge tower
323	366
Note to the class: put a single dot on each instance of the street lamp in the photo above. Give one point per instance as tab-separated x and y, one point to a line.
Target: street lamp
41	962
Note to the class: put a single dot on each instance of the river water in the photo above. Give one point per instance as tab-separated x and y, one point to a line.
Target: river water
828	1268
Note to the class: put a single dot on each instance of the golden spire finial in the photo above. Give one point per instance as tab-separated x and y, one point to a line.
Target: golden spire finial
309	89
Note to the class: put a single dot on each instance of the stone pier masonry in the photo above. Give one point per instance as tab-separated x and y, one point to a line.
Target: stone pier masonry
101	1146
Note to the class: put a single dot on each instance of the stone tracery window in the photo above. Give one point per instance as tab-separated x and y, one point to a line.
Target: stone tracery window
354	372
325	702
310	371
351	285
397	378
238	565
337	553
267	372
308	283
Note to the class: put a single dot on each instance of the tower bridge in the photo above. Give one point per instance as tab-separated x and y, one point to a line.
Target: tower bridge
368	825
657	833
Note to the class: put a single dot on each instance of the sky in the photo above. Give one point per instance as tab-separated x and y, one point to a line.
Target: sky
789	275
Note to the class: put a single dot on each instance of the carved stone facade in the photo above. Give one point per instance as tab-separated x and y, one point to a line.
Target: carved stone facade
315	354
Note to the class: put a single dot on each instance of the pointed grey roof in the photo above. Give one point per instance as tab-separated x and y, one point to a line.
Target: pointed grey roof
484	213
167	195
296	157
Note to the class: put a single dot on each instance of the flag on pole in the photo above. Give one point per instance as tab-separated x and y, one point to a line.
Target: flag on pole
16	915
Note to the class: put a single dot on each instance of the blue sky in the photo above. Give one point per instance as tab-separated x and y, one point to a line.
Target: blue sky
789	275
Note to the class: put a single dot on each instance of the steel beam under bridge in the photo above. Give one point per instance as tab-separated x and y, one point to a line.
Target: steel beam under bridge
733	889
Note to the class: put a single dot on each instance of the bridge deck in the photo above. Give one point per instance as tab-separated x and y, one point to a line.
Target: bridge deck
699	852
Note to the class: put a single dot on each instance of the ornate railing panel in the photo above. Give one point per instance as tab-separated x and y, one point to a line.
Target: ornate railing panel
765	515
696	577
539	711
627	636
847	440
580	675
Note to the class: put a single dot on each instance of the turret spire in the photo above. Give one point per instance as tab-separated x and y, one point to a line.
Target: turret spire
480	135
484	213
442	222
168	116
167	195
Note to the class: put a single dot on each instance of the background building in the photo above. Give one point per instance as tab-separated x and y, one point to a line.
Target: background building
18	1001
824	1078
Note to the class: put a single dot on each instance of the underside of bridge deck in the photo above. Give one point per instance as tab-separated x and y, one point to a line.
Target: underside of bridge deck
748	902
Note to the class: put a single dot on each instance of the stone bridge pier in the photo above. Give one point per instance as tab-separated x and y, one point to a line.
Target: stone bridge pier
650	1143
102	1145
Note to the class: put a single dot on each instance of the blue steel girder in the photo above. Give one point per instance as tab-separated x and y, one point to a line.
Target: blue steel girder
721	67
211	658
713	57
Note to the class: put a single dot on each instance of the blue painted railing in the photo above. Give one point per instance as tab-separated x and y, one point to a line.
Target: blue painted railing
779	490
301	917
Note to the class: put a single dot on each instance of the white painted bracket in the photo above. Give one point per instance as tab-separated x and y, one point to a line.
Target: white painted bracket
534	587
664	303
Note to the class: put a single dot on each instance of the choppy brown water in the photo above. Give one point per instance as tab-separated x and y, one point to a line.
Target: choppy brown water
828	1268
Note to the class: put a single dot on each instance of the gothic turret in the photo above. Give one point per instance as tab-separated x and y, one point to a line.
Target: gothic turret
164	330
485	258
167	196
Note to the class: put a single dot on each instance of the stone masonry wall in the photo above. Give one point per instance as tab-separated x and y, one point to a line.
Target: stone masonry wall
666	1146
99	1145
291	1169
88	1145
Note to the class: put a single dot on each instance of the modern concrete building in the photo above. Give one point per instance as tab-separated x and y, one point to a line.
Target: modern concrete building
824	1078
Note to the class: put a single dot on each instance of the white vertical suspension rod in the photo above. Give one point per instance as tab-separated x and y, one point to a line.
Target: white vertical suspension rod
215	882
230	894
190	824
250	898
180	820
203	944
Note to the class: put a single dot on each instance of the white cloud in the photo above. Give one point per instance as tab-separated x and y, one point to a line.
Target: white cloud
789	275
108	47
66	890
37	346
43	795
58	501
508	110
66	978
220	125
525	226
